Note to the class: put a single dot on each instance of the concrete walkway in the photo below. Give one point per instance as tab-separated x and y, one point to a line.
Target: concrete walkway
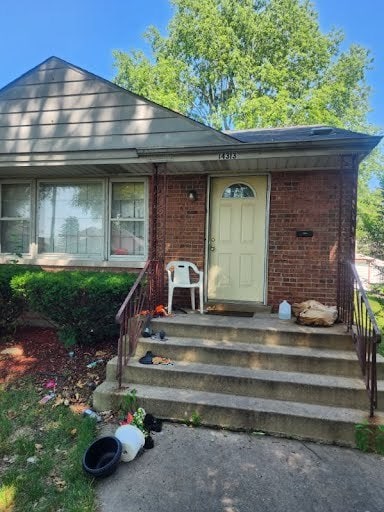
204	470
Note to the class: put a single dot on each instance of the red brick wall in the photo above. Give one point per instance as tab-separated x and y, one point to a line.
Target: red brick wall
185	225
306	268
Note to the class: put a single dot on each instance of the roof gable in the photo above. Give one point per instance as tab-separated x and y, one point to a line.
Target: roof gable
58	107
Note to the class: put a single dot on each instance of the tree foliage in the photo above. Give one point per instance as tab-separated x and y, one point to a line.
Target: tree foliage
370	227
257	63
250	63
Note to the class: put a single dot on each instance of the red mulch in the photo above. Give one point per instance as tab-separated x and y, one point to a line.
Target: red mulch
38	353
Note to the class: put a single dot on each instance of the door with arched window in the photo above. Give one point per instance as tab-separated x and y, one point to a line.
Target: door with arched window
237	239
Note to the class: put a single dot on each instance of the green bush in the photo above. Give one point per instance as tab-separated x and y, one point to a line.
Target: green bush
376	300
82	304
370	437
11	305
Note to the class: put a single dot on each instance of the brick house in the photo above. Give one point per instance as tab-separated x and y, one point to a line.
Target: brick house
94	176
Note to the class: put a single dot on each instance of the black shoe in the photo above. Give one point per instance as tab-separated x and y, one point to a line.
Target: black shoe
147	359
152	424
149	444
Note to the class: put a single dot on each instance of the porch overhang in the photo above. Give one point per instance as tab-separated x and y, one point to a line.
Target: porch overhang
220	159
59	120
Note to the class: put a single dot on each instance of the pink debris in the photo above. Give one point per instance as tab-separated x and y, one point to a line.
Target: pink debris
50	384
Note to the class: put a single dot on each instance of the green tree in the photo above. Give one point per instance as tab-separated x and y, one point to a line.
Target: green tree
370	227
250	63
253	64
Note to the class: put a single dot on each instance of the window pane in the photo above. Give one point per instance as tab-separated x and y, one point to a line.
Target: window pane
71	219
14	236
16	200
127	237
128	200
238	191
15	204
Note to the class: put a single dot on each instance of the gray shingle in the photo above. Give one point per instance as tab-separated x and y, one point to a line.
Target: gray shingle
293	134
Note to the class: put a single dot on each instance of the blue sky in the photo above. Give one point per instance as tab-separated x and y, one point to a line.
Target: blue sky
85	32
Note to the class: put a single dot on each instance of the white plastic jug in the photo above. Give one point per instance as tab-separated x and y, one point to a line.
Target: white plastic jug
132	440
284	310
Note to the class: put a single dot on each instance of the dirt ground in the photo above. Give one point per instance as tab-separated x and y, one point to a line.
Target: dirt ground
38	354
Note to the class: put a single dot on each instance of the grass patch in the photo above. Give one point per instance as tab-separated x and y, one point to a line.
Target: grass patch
377	305
370	437
54	440
194	420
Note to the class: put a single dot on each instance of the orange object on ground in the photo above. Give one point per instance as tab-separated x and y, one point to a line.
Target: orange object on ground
128	420
160	310
161	360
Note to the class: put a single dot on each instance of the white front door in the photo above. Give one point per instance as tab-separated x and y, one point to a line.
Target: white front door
237	238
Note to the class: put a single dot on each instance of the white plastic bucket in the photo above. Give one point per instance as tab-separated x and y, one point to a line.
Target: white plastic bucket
132	440
284	310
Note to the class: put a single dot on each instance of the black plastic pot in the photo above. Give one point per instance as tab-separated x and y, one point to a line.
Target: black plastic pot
102	457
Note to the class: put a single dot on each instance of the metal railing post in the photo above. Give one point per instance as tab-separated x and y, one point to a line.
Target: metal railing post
131	319
356	312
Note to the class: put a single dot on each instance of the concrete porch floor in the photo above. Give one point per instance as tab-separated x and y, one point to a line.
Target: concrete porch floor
264	321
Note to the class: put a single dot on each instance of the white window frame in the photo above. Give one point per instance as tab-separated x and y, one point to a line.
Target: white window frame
63	255
31	206
127	257
65	259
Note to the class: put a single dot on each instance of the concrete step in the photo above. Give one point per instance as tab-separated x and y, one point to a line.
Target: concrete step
265	330
252	355
277	385
289	419
250	373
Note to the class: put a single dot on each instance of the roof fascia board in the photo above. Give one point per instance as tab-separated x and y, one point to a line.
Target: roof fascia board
74	159
348	144
361	146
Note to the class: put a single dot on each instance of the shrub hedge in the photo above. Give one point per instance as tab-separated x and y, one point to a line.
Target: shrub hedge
83	304
11	305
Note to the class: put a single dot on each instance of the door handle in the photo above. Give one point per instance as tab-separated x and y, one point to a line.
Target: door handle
213	248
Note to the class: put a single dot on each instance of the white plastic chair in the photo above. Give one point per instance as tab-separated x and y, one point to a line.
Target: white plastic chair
179	277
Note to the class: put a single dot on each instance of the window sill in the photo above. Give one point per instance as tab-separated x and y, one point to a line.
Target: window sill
61	261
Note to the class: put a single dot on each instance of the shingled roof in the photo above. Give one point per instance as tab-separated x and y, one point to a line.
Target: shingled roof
293	134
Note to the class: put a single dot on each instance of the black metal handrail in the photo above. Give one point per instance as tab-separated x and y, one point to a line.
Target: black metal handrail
356	312
131	319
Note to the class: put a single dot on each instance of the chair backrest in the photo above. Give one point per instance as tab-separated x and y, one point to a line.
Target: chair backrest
181	271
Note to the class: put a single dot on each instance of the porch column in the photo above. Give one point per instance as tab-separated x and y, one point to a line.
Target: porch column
158	207
347	234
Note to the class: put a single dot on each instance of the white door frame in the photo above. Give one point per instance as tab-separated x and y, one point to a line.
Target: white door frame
208	227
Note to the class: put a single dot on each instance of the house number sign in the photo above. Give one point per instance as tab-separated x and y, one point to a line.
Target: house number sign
229	155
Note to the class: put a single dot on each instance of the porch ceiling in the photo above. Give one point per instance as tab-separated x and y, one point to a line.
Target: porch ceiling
136	168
